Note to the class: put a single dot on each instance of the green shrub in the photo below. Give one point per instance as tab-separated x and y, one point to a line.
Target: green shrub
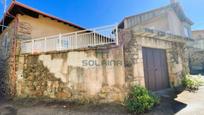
192	83
140	100
200	80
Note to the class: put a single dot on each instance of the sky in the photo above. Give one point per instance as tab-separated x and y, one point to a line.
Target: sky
96	13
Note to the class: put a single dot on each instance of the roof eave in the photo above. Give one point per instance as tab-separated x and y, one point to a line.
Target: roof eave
14	3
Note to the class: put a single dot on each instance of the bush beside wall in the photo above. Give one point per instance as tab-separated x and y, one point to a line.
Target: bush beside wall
140	100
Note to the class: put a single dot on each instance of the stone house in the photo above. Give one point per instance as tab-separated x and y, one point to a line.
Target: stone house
44	56
158	45
22	22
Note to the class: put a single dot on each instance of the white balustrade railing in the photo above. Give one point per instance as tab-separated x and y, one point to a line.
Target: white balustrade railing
75	40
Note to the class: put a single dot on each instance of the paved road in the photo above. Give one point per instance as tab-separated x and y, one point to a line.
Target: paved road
193	103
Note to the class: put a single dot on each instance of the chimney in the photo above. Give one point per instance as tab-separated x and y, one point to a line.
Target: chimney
173	1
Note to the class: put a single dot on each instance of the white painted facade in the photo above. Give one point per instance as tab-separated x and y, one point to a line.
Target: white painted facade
165	19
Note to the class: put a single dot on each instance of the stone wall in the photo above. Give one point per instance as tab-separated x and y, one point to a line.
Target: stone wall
102	75
7	61
92	75
176	59
99	75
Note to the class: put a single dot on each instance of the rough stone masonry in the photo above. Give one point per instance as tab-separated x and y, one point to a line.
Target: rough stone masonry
63	75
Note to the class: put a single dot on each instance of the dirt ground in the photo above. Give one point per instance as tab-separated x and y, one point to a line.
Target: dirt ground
67	108
186	103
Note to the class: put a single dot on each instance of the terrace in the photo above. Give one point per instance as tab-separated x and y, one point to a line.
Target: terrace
70	41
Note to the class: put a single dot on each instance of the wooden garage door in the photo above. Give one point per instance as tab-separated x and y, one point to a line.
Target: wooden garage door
155	69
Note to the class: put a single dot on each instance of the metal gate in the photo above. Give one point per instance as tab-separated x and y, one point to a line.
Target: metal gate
155	69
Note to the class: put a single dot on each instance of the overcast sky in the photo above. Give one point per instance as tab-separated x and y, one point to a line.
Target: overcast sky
94	13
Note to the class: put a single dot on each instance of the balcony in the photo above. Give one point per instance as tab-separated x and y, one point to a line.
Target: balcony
70	41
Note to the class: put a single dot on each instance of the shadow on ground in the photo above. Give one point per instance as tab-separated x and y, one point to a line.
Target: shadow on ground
6	109
178	106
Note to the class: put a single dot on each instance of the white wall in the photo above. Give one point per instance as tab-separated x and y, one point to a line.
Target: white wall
175	24
165	20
